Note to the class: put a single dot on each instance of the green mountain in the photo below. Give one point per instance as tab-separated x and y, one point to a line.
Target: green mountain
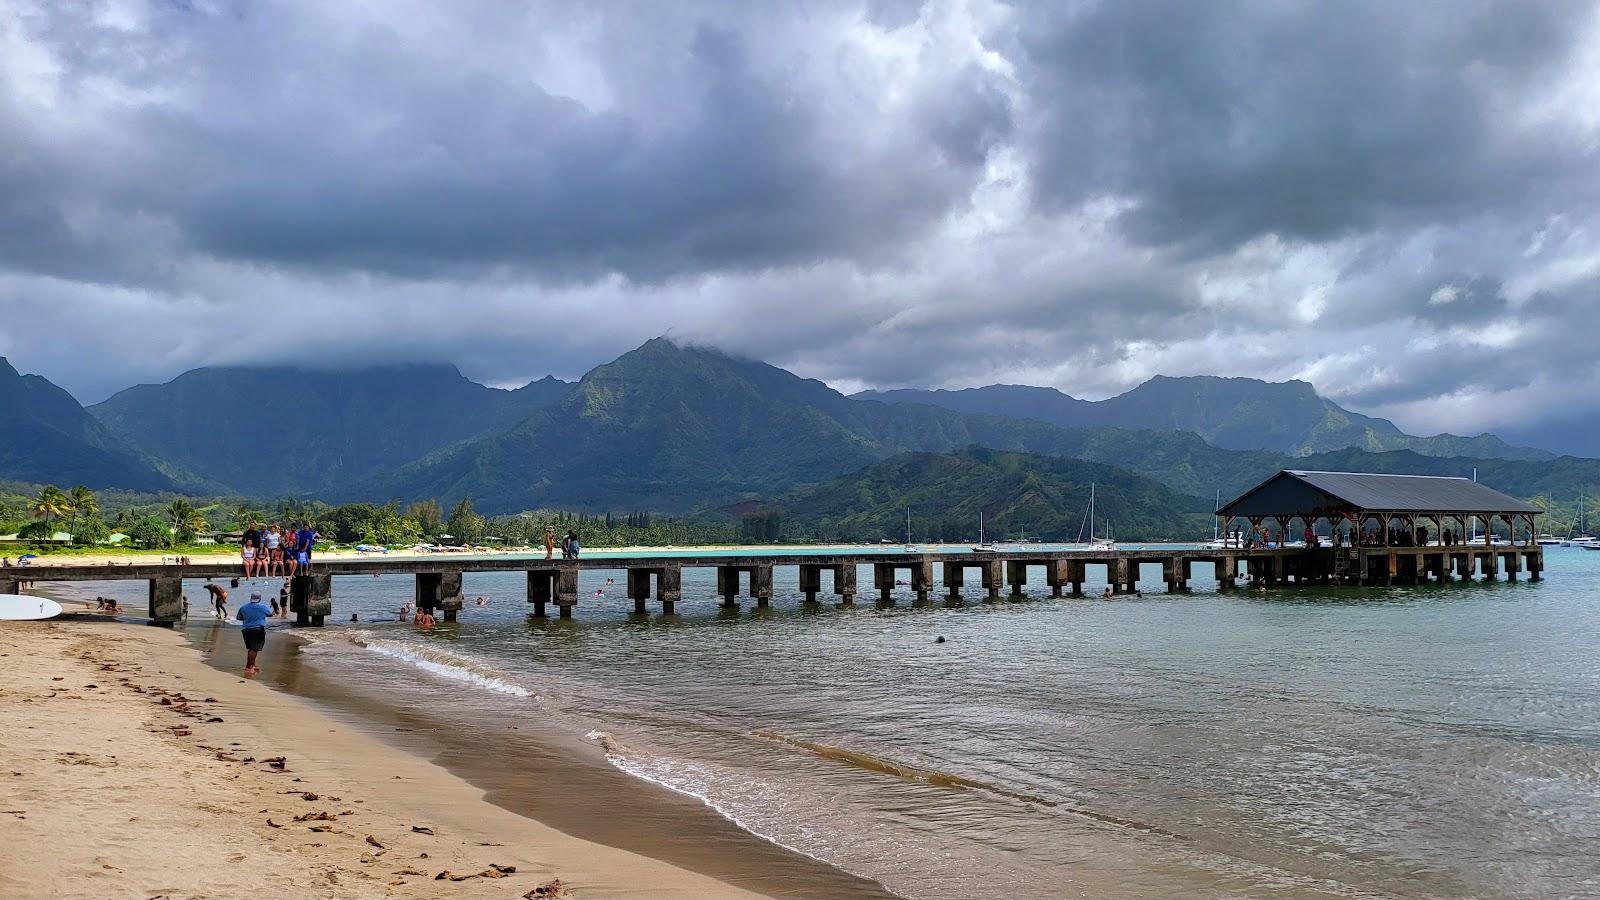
48	438
1019	494
1233	413
673	428
282	431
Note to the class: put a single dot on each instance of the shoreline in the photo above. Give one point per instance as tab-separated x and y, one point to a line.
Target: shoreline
162	788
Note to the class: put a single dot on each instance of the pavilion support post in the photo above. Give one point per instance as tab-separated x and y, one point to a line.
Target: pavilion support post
1118	570
10	586
1489	564
1535	558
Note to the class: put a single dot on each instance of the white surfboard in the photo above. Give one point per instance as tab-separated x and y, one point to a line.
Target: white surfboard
14	607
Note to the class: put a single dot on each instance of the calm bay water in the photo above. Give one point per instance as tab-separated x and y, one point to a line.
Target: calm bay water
1436	741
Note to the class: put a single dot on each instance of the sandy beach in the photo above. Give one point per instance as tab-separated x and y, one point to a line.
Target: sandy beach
132	768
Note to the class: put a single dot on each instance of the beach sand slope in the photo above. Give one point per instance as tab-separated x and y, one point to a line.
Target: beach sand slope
128	767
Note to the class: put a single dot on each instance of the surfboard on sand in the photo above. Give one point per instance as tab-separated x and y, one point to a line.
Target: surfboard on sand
14	607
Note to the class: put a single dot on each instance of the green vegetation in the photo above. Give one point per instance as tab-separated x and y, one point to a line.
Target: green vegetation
1020	495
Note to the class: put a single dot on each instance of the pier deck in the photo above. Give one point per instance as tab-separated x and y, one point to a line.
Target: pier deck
658	576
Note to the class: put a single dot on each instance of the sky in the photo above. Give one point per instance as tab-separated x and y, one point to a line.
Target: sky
1393	201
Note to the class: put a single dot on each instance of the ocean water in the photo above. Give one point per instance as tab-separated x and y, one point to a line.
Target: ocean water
1430	741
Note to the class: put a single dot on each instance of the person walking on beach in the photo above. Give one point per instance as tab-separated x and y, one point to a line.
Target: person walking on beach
219	600
253	616
549	542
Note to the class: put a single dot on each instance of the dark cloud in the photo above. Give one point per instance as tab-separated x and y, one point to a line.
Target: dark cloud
1296	119
1393	201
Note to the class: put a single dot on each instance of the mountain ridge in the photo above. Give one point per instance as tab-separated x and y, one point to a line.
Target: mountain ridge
49	438
280	430
1230	412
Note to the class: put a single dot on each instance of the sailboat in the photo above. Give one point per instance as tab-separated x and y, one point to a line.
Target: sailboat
910	547
1579	535
1096	543
982	546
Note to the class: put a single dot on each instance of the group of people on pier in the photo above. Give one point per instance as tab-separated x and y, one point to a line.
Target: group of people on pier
276	550
569	544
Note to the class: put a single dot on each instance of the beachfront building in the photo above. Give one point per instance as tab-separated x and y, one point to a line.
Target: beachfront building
1363	526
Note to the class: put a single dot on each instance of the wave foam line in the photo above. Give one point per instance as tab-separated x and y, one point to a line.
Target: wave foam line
654	769
936	778
446	665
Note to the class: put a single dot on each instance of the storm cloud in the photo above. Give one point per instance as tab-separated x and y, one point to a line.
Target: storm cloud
1396	202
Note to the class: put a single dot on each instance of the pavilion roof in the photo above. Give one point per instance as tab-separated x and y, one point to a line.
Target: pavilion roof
1296	492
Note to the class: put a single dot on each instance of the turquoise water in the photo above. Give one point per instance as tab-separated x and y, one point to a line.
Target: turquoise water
1430	741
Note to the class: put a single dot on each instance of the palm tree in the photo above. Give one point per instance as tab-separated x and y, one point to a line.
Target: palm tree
51	504
186	520
83	504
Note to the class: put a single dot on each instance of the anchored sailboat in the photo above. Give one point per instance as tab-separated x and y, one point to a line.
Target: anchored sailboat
1095	543
982	546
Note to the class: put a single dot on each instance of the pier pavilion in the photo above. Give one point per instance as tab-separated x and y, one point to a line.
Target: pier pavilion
1376	531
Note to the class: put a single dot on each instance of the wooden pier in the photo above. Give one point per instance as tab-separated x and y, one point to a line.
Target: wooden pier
659	577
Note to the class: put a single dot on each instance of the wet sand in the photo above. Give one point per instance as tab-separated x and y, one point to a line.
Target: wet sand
133	769
549	776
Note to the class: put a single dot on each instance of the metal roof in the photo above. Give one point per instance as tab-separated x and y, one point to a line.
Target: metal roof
1386	493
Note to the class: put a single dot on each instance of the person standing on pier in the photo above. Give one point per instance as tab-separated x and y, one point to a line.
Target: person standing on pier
549	542
304	540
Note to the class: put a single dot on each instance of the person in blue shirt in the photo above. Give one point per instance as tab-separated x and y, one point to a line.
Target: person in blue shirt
253	616
304	540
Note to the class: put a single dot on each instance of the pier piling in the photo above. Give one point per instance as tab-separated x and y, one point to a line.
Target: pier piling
166	600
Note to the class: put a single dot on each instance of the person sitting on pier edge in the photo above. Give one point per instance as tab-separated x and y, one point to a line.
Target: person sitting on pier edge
272	551
247	548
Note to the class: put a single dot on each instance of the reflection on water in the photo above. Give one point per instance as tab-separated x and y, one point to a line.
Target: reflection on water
1428	741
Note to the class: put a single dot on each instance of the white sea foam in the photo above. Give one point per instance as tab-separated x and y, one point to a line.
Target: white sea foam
446	665
708	785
